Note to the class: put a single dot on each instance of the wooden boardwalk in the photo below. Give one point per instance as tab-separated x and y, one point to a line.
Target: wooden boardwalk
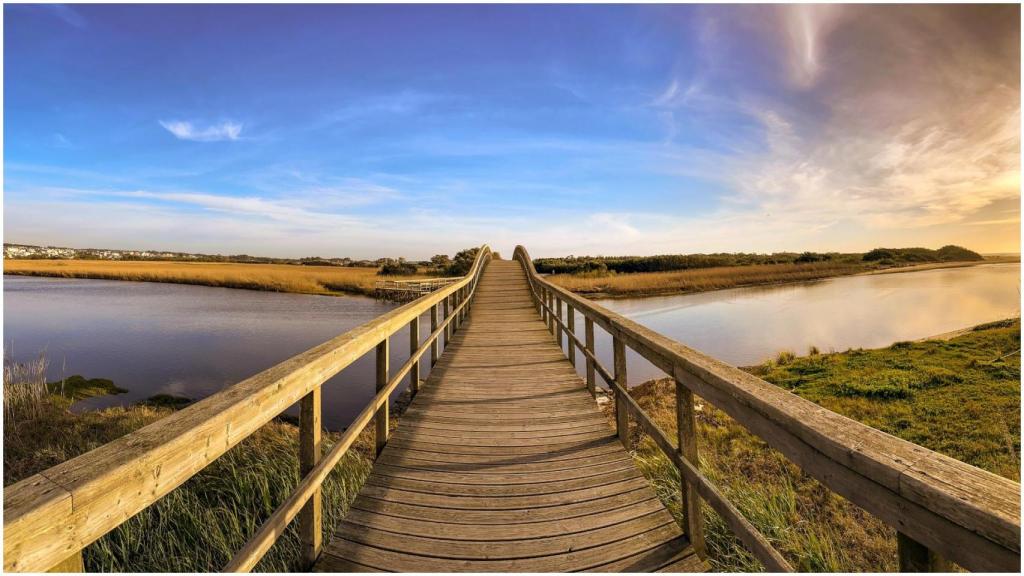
503	462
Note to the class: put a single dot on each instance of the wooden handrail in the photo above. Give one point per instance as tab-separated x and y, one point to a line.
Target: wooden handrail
747	533
51	516
956	511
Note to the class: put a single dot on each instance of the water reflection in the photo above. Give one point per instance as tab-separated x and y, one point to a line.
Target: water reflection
193	340
185	340
746	326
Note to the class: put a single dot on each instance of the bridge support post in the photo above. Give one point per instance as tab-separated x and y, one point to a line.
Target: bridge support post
311	515
686	427
570	318
916	557
414	346
558	321
382	416
621	410
433	343
588	327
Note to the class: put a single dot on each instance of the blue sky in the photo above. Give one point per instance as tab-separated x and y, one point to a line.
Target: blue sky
412	130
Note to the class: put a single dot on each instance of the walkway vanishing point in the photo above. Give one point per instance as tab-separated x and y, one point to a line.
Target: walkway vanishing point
503	462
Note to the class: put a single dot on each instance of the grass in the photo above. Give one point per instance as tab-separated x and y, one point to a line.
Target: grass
202	523
960	397
700	279
330	280
612	285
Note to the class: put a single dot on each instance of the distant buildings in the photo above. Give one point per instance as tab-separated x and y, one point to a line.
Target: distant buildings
25	251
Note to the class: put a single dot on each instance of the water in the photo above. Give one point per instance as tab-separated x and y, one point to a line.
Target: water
194	340
190	341
745	326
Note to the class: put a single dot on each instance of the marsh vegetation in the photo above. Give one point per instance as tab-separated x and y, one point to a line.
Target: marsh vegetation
629	276
960	397
269	277
202	523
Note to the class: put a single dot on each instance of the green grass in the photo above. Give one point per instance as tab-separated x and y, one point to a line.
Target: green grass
201	524
959	397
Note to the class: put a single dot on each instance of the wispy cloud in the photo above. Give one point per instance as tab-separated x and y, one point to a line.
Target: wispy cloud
61	141
215	132
68	14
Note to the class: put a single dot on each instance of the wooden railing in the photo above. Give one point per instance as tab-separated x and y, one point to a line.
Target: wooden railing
50	517
942	509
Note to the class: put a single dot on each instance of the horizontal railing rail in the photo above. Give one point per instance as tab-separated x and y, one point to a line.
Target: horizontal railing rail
51	516
943	510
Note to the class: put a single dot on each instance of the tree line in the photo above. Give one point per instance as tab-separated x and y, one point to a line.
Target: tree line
673	262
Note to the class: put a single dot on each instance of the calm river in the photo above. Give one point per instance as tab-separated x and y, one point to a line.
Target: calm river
194	340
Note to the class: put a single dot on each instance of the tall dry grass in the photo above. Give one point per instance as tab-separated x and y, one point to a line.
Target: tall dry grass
701	279
25	390
267	277
201	524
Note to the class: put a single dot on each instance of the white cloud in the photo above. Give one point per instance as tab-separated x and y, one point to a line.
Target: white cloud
807	27
215	132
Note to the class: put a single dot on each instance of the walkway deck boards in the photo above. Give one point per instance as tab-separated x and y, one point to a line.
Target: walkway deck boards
503	463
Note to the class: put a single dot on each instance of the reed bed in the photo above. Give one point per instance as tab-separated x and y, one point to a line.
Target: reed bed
25	390
267	277
700	279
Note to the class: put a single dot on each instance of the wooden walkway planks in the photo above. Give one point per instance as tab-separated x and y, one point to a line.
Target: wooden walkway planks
503	463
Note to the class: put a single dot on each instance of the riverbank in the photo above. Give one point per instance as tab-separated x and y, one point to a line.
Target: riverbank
220	507
321	280
649	284
335	281
915	391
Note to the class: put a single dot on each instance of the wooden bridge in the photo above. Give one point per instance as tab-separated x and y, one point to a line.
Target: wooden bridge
503	462
408	290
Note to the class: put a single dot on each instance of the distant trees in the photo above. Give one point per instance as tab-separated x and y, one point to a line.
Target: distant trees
398	267
949	253
462	262
601	265
440	262
458	266
597	265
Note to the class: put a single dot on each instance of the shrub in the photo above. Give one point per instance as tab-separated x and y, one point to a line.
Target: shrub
462	263
784	357
397	268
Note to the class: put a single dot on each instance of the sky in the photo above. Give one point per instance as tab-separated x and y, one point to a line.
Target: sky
371	131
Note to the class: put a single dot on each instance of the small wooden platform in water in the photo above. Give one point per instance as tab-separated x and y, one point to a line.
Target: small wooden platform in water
503	462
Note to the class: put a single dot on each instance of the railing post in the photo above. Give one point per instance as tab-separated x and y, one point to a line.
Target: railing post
464	299
381	418
448	326
311	515
433	327
414	346
588	327
621	414
73	563
916	557
686	429
570	318
558	323
542	302
551	310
